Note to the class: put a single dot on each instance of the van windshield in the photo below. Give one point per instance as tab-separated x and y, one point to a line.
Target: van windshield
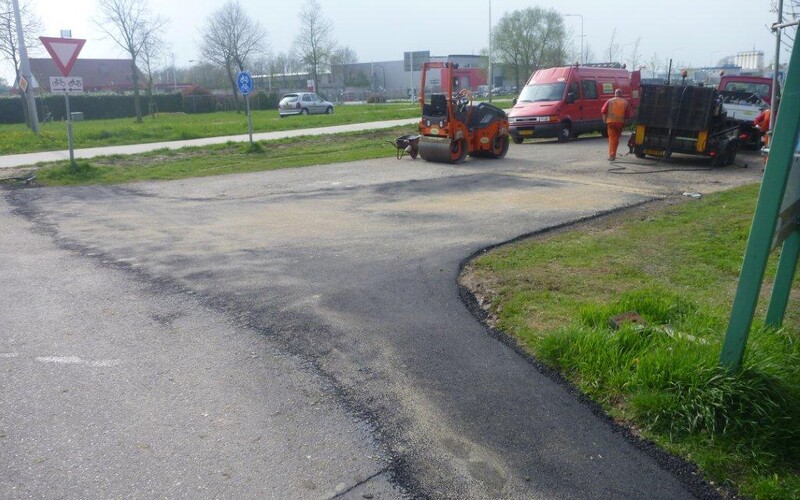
542	92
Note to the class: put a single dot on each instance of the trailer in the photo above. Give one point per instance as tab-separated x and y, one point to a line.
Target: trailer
684	119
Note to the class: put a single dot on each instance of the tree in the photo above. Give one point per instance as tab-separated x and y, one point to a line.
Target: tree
791	10
530	39
314	43
130	25
343	61
152	49
9	43
613	49
230	39
635	56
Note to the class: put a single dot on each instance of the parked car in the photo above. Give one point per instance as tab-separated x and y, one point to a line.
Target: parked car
303	103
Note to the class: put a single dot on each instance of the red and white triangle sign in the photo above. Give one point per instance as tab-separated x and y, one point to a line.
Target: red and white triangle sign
64	51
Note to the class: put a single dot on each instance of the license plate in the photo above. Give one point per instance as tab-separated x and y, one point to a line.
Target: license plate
655	152
526	132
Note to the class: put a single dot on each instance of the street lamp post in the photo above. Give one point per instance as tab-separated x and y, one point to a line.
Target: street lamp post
580	59
383	70
174	78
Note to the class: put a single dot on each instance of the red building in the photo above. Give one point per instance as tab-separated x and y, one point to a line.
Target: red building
112	75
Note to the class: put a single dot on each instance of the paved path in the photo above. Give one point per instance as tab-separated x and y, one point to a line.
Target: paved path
9	161
302	327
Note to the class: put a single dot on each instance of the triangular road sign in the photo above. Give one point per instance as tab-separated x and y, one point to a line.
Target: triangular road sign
64	51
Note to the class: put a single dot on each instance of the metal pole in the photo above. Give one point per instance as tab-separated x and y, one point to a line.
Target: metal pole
25	71
773	103
249	118
412	76
491	76
69	134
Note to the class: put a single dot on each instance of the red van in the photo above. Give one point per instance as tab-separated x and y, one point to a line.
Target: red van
565	102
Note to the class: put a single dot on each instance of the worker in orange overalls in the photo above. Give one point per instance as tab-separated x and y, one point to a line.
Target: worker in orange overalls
615	111
762	122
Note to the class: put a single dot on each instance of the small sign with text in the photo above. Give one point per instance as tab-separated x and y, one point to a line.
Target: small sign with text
70	84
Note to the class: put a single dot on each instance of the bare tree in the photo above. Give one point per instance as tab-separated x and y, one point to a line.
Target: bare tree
343	61
314	43
130	25
152	49
613	50
791	10
9	44
654	63
231	39
634	58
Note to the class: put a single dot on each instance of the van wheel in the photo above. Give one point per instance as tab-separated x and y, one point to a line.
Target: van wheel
564	132
517	139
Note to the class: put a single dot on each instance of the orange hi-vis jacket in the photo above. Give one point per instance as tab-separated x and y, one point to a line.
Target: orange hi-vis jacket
616	110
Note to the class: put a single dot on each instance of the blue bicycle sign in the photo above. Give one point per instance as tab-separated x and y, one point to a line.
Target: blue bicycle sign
245	82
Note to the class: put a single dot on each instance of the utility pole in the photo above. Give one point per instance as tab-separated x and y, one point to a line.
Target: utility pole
491	77
25	71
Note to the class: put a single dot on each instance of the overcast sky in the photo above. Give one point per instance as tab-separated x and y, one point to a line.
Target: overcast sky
692	32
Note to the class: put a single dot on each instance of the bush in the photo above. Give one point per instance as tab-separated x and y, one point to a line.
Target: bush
198	100
93	106
262	100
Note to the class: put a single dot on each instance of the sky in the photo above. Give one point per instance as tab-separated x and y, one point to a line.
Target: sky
696	33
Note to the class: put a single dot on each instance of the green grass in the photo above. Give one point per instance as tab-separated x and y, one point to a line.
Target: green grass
15	139
168	164
678	268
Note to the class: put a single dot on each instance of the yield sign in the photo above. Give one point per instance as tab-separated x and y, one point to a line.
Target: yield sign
64	51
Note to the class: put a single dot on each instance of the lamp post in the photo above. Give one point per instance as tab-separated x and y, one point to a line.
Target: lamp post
580	59
383	70
174	78
491	76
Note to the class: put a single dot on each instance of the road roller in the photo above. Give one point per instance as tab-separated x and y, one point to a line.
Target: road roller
452	127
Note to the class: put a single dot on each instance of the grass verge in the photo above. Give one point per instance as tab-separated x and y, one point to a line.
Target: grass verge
16	139
169	164
678	268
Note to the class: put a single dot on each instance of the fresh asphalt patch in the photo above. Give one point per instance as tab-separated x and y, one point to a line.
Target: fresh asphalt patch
352	269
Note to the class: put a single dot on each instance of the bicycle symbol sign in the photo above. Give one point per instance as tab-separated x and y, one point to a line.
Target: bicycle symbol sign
245	82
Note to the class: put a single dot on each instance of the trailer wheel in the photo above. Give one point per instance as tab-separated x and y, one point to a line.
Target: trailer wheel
639	152
730	153
564	132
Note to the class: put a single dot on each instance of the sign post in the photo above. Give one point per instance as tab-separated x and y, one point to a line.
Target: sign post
775	222
64	52
245	83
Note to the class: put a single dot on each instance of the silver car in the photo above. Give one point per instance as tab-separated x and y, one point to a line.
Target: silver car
303	103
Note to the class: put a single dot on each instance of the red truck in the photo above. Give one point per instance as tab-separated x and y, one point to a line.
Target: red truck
743	98
565	102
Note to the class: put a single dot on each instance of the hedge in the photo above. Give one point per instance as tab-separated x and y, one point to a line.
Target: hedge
104	106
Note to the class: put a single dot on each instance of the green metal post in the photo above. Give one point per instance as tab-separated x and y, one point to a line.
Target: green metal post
770	198
783	280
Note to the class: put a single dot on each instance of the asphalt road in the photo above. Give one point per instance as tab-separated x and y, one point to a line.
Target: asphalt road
299	334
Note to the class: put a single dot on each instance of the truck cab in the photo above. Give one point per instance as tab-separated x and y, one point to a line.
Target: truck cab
743	98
